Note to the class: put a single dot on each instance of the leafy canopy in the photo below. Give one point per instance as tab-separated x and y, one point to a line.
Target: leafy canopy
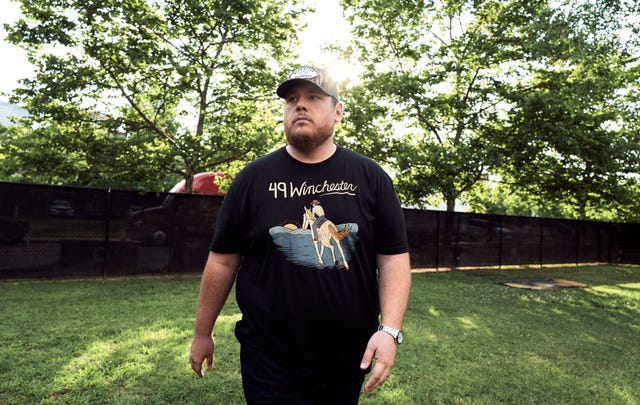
140	90
456	91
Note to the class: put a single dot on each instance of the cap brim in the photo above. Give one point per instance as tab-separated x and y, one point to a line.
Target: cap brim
284	88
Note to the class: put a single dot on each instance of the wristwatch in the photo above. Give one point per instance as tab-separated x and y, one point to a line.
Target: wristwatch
398	337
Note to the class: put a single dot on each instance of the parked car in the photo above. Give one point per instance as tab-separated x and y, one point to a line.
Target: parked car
151	225
61	208
176	218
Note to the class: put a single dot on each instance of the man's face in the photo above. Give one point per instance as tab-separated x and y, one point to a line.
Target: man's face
309	117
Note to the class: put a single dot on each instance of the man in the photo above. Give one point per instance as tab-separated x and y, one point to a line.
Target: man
314	321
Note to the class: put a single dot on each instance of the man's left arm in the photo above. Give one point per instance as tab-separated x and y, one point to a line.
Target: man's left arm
394	284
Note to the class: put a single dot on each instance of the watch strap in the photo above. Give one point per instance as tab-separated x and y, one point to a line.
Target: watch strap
395	333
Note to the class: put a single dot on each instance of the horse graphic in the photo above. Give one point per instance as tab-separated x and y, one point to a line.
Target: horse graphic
324	232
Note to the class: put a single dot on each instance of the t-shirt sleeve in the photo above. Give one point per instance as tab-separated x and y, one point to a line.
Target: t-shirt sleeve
390	229
234	217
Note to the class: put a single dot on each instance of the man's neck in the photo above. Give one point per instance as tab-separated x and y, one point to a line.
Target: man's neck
319	154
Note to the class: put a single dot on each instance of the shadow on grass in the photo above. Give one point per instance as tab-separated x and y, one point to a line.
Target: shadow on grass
110	342
468	340
139	361
472	340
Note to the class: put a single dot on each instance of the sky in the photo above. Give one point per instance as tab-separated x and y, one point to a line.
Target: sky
14	64
325	26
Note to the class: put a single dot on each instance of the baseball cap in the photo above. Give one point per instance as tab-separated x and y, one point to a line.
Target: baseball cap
310	74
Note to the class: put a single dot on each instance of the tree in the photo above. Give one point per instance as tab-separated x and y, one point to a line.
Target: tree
452	73
494	197
571	141
174	87
434	67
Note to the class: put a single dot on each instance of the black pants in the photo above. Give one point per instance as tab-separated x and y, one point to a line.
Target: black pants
268	380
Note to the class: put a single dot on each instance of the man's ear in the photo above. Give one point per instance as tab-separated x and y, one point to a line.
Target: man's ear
339	111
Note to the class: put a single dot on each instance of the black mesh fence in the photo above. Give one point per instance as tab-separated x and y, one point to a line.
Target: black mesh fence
462	240
48	231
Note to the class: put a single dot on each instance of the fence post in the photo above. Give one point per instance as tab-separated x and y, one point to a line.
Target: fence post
107	219
500	243
541	247
578	242
437	241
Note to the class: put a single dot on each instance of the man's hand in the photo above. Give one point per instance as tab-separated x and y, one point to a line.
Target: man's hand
382	348
201	350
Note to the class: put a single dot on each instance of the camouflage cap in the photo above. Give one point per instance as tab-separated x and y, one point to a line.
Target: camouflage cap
310	74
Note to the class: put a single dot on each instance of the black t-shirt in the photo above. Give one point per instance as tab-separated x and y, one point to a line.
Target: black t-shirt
314	308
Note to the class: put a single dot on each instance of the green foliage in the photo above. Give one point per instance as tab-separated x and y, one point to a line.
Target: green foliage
504	198
469	340
569	140
148	91
436	69
539	92
499	198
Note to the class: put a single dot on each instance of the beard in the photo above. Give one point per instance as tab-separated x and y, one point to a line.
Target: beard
306	142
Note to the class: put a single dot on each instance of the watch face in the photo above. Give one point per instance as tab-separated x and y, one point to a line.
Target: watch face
400	337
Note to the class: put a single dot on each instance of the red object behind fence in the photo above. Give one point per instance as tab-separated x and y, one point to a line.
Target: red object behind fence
203	183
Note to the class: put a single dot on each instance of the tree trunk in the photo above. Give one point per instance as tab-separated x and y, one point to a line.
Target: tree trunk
451	204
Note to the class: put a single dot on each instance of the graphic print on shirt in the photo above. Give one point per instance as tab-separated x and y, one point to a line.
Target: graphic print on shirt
318	242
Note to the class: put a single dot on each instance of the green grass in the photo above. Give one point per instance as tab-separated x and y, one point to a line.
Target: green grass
469	340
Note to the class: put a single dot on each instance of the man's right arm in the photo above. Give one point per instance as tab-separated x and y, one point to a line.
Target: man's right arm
217	280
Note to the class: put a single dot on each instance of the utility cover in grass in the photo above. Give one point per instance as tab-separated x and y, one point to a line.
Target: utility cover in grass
544	284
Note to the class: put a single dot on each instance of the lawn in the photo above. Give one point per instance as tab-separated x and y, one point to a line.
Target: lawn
469	340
